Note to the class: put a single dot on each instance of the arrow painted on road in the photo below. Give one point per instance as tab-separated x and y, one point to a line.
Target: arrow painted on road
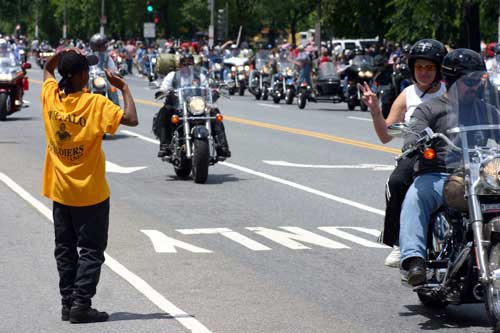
374	167
115	168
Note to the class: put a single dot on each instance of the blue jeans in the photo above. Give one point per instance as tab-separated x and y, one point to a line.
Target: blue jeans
424	197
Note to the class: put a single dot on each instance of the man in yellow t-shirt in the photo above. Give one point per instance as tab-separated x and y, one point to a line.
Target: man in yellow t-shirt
74	175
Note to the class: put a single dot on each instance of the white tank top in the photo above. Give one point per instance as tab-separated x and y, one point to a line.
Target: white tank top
413	99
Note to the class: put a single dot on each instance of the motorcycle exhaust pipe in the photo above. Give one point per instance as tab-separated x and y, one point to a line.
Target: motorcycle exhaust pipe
462	256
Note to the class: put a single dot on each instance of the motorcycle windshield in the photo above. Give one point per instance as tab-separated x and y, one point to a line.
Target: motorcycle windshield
473	120
192	82
362	61
286	67
261	59
8	64
327	70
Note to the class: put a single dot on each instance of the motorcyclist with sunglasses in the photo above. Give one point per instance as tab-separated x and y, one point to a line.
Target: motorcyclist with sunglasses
424	61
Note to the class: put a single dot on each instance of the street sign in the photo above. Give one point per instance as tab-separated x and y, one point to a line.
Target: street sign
149	30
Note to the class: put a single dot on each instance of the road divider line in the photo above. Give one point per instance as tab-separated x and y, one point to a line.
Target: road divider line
269	105
282	181
317	135
188	321
360	118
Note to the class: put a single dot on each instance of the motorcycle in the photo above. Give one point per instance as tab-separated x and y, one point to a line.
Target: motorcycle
13	83
328	83
98	84
463	248
237	70
385	89
44	53
193	146
216	71
259	82
283	84
120	60
361	70
150	60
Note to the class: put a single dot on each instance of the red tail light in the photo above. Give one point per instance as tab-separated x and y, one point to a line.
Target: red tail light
429	154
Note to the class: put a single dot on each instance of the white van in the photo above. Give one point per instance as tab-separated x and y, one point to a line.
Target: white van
351	44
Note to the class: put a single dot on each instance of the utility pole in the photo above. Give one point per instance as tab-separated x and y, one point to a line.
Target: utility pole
211	4
37	5
498	22
317	32
102	18
65	26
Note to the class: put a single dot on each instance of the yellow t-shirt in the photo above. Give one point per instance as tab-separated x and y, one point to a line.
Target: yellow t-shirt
74	170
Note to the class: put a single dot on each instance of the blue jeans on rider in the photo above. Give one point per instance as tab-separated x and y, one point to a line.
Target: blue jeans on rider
305	75
424	197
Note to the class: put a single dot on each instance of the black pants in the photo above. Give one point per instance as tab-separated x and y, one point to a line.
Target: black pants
86	228
398	184
166	128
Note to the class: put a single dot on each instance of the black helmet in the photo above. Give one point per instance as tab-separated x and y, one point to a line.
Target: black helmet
429	49
460	62
98	40
186	59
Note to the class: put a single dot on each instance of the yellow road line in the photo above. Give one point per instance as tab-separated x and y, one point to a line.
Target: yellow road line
317	135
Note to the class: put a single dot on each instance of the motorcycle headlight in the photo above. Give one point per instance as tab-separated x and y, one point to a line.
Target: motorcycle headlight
361	74
99	82
153	60
240	68
217	67
490	173
289	72
119	59
233	69
21	51
369	74
196	106
247	68
6	77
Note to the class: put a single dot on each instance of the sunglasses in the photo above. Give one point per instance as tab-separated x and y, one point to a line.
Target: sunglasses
426	68
471	82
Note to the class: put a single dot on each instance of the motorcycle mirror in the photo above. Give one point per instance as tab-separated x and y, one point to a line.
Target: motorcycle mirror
397	130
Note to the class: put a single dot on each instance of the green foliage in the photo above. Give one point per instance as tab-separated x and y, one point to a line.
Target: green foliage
392	19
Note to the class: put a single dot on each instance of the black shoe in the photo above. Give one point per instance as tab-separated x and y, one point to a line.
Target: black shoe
66	307
164	151
416	271
80	314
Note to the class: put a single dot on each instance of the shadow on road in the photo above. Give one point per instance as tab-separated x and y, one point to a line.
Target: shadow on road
110	137
20	118
117	316
463	316
215	179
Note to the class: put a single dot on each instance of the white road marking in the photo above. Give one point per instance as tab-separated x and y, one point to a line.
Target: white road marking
374	167
142	286
342	234
164	244
228	233
282	181
361	118
287	239
269	105
139	136
115	168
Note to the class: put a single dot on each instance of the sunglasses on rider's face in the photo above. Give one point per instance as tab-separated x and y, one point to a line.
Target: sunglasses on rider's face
426	68
471	82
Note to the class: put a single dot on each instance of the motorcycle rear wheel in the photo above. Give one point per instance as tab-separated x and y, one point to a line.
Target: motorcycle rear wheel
493	295
201	159
4	106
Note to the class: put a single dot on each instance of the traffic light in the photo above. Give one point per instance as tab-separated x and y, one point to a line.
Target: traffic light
149	7
156	19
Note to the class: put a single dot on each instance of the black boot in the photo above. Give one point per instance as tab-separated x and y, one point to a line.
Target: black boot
164	151
83	313
66	302
416	271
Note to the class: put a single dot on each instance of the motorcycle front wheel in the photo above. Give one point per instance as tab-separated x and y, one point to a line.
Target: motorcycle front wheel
302	101
4	106
201	157
289	97
492	294
265	94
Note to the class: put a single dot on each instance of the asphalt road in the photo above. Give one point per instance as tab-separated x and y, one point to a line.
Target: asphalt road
282	238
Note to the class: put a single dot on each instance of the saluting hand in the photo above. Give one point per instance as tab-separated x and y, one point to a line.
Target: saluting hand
115	80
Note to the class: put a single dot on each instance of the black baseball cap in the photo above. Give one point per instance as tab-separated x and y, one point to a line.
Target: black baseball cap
71	63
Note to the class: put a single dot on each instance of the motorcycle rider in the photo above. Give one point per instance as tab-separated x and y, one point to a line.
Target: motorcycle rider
5	51
98	45
424	61
425	195
165	128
